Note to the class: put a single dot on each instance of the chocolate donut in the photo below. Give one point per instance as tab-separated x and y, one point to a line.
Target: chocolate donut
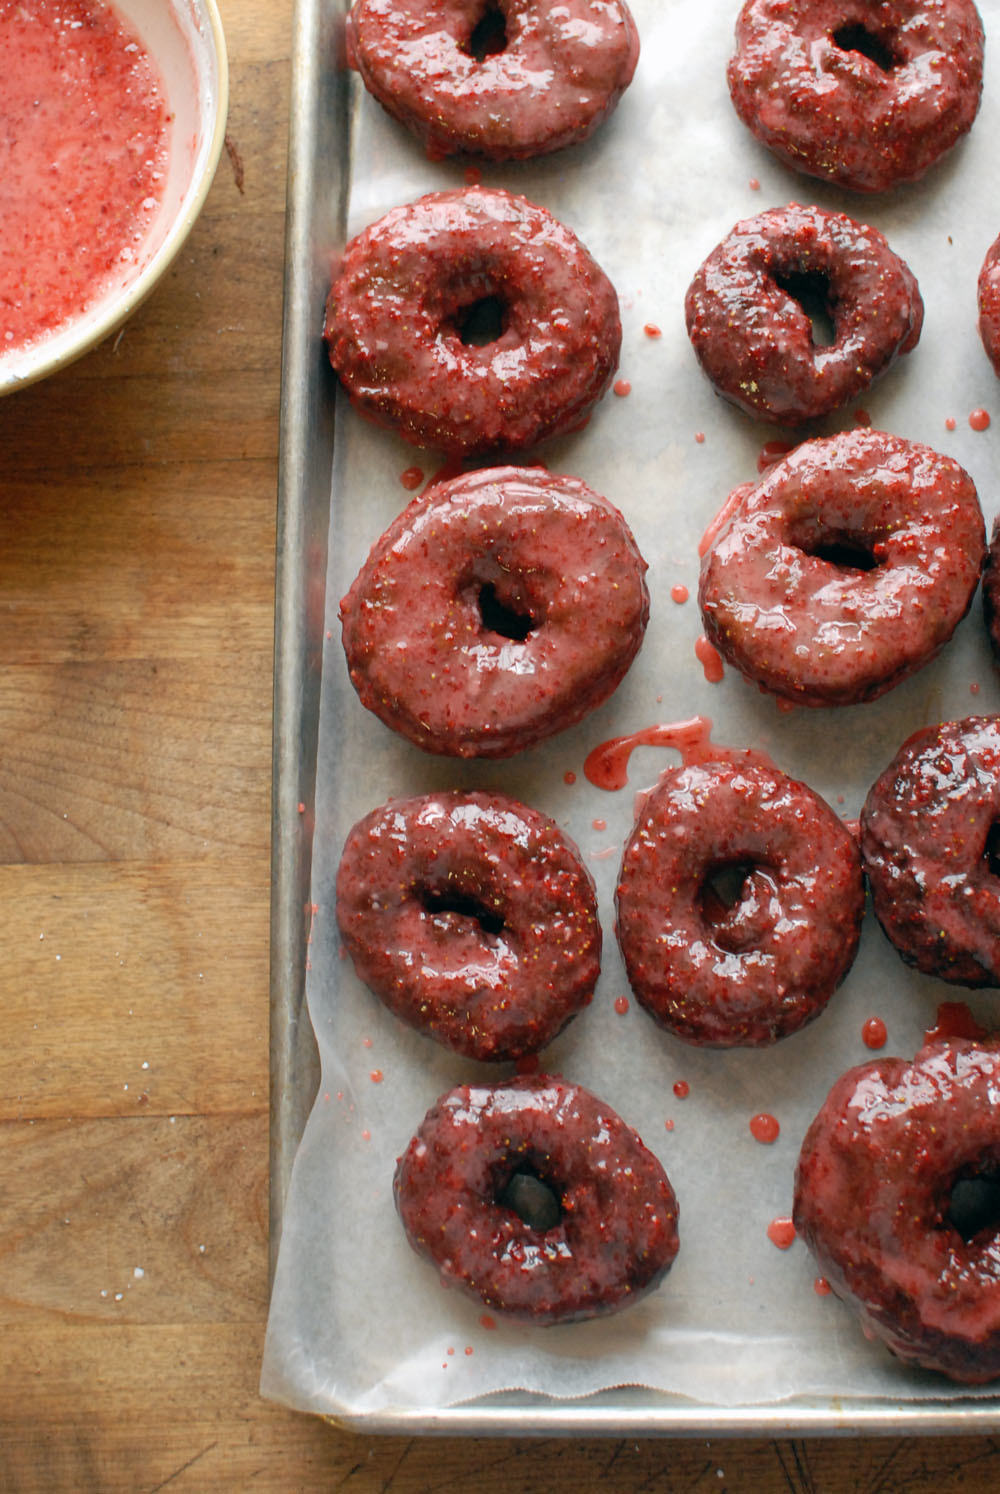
989	305
845	569
928	843
739	904
749	325
863	94
471	320
506	79
473	918
605	1216
498	608
883	1200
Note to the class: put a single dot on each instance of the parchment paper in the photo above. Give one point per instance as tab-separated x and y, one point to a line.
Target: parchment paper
358	1323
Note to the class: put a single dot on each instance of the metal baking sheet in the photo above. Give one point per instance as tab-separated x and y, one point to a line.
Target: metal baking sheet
704	173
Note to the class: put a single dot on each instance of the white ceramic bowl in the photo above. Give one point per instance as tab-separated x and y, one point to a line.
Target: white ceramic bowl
185	40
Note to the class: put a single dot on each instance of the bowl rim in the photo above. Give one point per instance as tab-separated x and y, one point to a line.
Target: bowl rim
59	349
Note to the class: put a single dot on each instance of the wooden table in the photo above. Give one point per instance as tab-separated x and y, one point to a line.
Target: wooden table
136	602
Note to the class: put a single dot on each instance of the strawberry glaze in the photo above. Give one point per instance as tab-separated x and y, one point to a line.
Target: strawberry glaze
74	214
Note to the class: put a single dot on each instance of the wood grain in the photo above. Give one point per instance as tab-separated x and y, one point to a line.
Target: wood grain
137	531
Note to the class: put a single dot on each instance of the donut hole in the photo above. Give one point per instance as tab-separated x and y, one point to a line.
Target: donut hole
480	322
991	851
531	1198
506	616
735	900
459	905
847	549
846	552
855	37
813	292
974	1207
489	34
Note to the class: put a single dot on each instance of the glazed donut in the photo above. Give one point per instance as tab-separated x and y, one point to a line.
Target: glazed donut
728	972
472	320
845	569
927	841
505	80
498	608
604	1232
878	1201
473	918
748	322
863	94
989	305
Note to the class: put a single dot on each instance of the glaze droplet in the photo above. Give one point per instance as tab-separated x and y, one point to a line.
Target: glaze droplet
764	1128
781	1232
873	1033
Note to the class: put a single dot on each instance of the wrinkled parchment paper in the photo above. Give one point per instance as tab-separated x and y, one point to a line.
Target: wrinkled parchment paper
358	1323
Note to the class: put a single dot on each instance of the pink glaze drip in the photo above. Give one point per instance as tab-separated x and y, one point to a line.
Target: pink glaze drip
722	517
411	478
447	470
771	452
979	420
679	593
682	1089
954	1020
622	387
606	765
710	659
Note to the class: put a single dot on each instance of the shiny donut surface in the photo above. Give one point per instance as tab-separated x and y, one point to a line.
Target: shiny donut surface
497	609
878	1200
749	307
606	1233
506	82
864	95
750	965
472	321
989	305
845	569
473	918
927	839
